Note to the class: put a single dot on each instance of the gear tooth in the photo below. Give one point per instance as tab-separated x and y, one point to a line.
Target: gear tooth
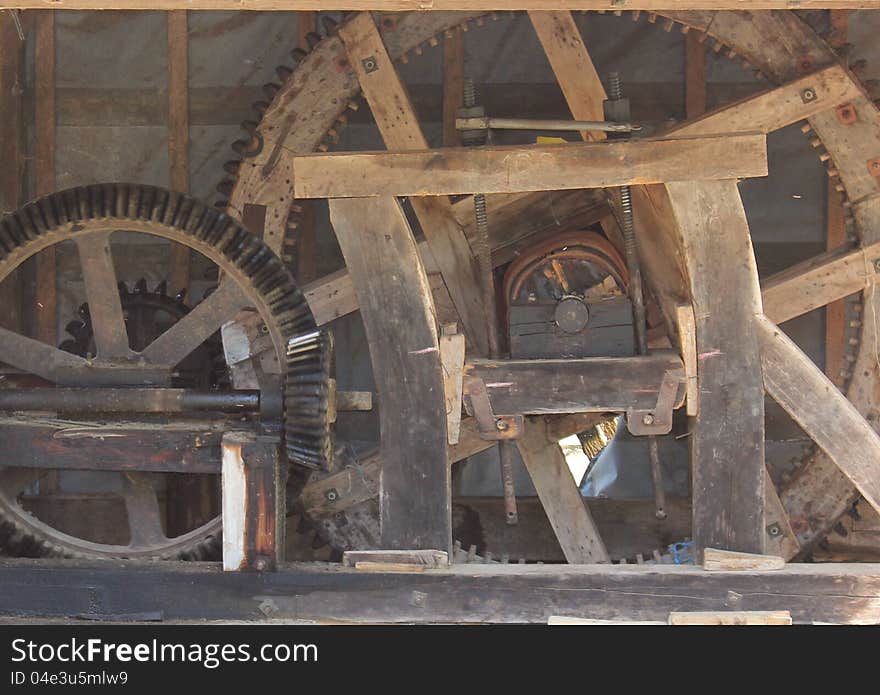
260	107
283	73
225	187
270	90
221	205
240	147
313	38
433	42
858	67
180	297
233	166
840	529
162	287
141	286
298	55
122	287
352	105
331	26
83	312
68	346
250	127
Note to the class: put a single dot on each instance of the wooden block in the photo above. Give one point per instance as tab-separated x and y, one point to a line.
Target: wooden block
421	558
687	335
731	618
398	567
513	168
572	620
452	350
715	560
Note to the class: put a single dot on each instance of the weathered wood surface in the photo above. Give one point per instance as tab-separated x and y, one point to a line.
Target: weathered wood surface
727	437
253	502
399	126
825	414
592	384
438	5
819	281
837	593
178	133
425	558
382	259
715	560
730	618
572	522
513	168
453	84
452	351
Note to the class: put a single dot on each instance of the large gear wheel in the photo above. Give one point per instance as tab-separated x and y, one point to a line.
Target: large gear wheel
306	111
253	278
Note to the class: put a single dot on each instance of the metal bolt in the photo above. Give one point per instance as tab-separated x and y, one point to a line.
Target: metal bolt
774	530
268	607
261	565
501	425
370	64
648	419
877	265
808	95
331	495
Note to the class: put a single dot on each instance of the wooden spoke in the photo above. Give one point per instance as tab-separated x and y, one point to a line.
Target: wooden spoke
400	129
819	281
35	357
142	509
824	413
201	323
102	293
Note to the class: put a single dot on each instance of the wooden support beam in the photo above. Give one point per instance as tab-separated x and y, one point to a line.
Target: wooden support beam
559	494
508	169
306	252
573	67
434	5
178	134
824	413
592	384
727	435
815	592
44	163
730	618
453	84
399	125
695	74
382	259
254	508
819	281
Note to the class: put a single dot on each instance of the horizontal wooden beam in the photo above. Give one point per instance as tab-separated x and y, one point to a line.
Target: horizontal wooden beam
819	281
815	403
508	169
439	5
592	384
467	593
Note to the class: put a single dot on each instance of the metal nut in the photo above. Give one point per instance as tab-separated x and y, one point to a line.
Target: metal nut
331	495
808	95
774	530
648	419
370	64
501	425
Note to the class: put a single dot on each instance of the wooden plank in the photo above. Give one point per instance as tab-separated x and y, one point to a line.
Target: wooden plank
434	5
424	558
730	618
819	281
715	560
695	74
253	502
453	85
799	386
178	134
573	67
833	593
399	125
511	168
559	494
452	351
727	436
687	338
382	259
591	384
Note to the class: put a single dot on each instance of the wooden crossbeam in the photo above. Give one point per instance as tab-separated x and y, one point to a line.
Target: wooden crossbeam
819	281
434	5
399	125
398	313
508	169
824	413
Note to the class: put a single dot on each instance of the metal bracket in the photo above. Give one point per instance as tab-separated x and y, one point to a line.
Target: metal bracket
489	425
659	419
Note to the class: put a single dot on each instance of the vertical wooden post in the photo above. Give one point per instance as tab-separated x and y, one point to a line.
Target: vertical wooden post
835	312
44	127
11	151
178	133
727	435
398	313
306	239
254	508
695	75
453	84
